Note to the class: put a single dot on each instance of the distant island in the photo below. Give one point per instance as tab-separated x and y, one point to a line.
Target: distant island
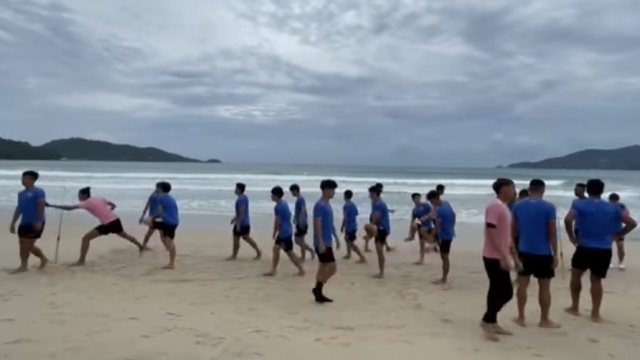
626	158
89	150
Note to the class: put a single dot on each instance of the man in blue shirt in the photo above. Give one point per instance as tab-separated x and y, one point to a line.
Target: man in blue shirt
349	227
580	193
599	223
241	224
167	220
422	223
445	228
534	221
282	233
615	200
30	211
300	220
152	208
323	239
380	219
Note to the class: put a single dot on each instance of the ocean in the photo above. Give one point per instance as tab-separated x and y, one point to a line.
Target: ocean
207	189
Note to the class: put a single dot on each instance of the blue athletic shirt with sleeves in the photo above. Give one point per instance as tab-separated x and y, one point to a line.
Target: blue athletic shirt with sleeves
350	213
532	217
323	211
28	200
153	204
599	221
384	221
170	213
447	225
300	211
282	211
243	202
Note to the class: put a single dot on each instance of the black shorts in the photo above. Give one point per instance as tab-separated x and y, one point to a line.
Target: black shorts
327	256
445	246
28	231
350	236
166	230
595	260
285	243
114	227
154	225
301	230
538	266
242	231
381	236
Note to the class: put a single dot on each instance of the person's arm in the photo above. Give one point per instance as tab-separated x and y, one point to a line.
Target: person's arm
376	217
14	219
276	226
629	224
240	216
64	207
553	231
317	230
146	207
40	211
568	226
111	205
491	221
344	221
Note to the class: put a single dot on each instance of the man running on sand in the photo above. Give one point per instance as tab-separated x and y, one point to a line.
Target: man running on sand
349	227
300	220
534	222
166	220
497	255
102	209
323	239
380	220
242	225
30	211
615	199
445	229
282	233
152	208
370	230
599	223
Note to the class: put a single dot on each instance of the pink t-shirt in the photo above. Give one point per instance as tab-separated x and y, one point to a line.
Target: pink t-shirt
99	208
498	214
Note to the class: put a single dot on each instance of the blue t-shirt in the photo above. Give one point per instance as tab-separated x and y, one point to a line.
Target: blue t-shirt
446	216
282	211
153	204
350	213
243	202
301	211
422	210
28	200
599	220
532	217
622	208
324	212
576	225
170	214
383	221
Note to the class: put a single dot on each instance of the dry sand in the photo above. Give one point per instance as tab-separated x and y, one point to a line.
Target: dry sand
121	306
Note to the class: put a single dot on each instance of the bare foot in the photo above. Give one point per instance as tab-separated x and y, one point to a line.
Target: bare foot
419	262
548	324
19	270
77	263
258	256
487	330
313	255
361	261
520	321
501	331
43	263
270	273
346	257
390	248
439	282
300	273
367	250
409	239
596	318
378	276
169	267
231	258
571	311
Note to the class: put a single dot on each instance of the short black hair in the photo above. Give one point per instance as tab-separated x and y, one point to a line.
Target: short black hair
277	191
614	197
379	185
536	184
581	185
348	194
439	187
433	195
294	188
31	174
595	187
375	190
241	186
523	193
500	183
328	184
158	184
415	195
164	186
85	191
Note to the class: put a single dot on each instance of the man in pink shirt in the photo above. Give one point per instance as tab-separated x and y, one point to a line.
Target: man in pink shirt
102	209
497	255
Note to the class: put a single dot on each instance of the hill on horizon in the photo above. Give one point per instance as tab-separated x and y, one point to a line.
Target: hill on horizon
625	158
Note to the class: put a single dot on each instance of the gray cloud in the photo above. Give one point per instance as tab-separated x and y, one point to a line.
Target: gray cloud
438	83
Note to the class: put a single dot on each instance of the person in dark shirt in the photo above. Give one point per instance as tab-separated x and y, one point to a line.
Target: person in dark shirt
349	227
323	239
599	223
150	208
301	222
445	228
615	200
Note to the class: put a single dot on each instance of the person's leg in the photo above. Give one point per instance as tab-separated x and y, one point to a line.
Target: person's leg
596	297
84	248
326	269
370	232
381	258
170	245
131	239
247	238
579	265
275	260
148	234
445	251
505	286
24	251
354	247
301	244
598	270
236	246
621	253
490	317
297	262
544	299
521	295
421	246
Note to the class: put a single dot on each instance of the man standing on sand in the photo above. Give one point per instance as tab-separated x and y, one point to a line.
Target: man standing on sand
349	227
497	255
323	239
534	220
282	233
30	211
380	219
445	228
300	220
422	223
370	230
615	200
241	224
580	192
167	220
599	223
110	223
152	207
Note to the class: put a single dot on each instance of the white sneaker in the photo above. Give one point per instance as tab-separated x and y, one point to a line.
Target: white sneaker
621	266
611	266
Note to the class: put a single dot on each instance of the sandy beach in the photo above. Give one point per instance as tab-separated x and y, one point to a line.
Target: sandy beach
121	306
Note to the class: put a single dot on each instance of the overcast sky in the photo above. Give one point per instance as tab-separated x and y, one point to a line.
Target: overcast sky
432	82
